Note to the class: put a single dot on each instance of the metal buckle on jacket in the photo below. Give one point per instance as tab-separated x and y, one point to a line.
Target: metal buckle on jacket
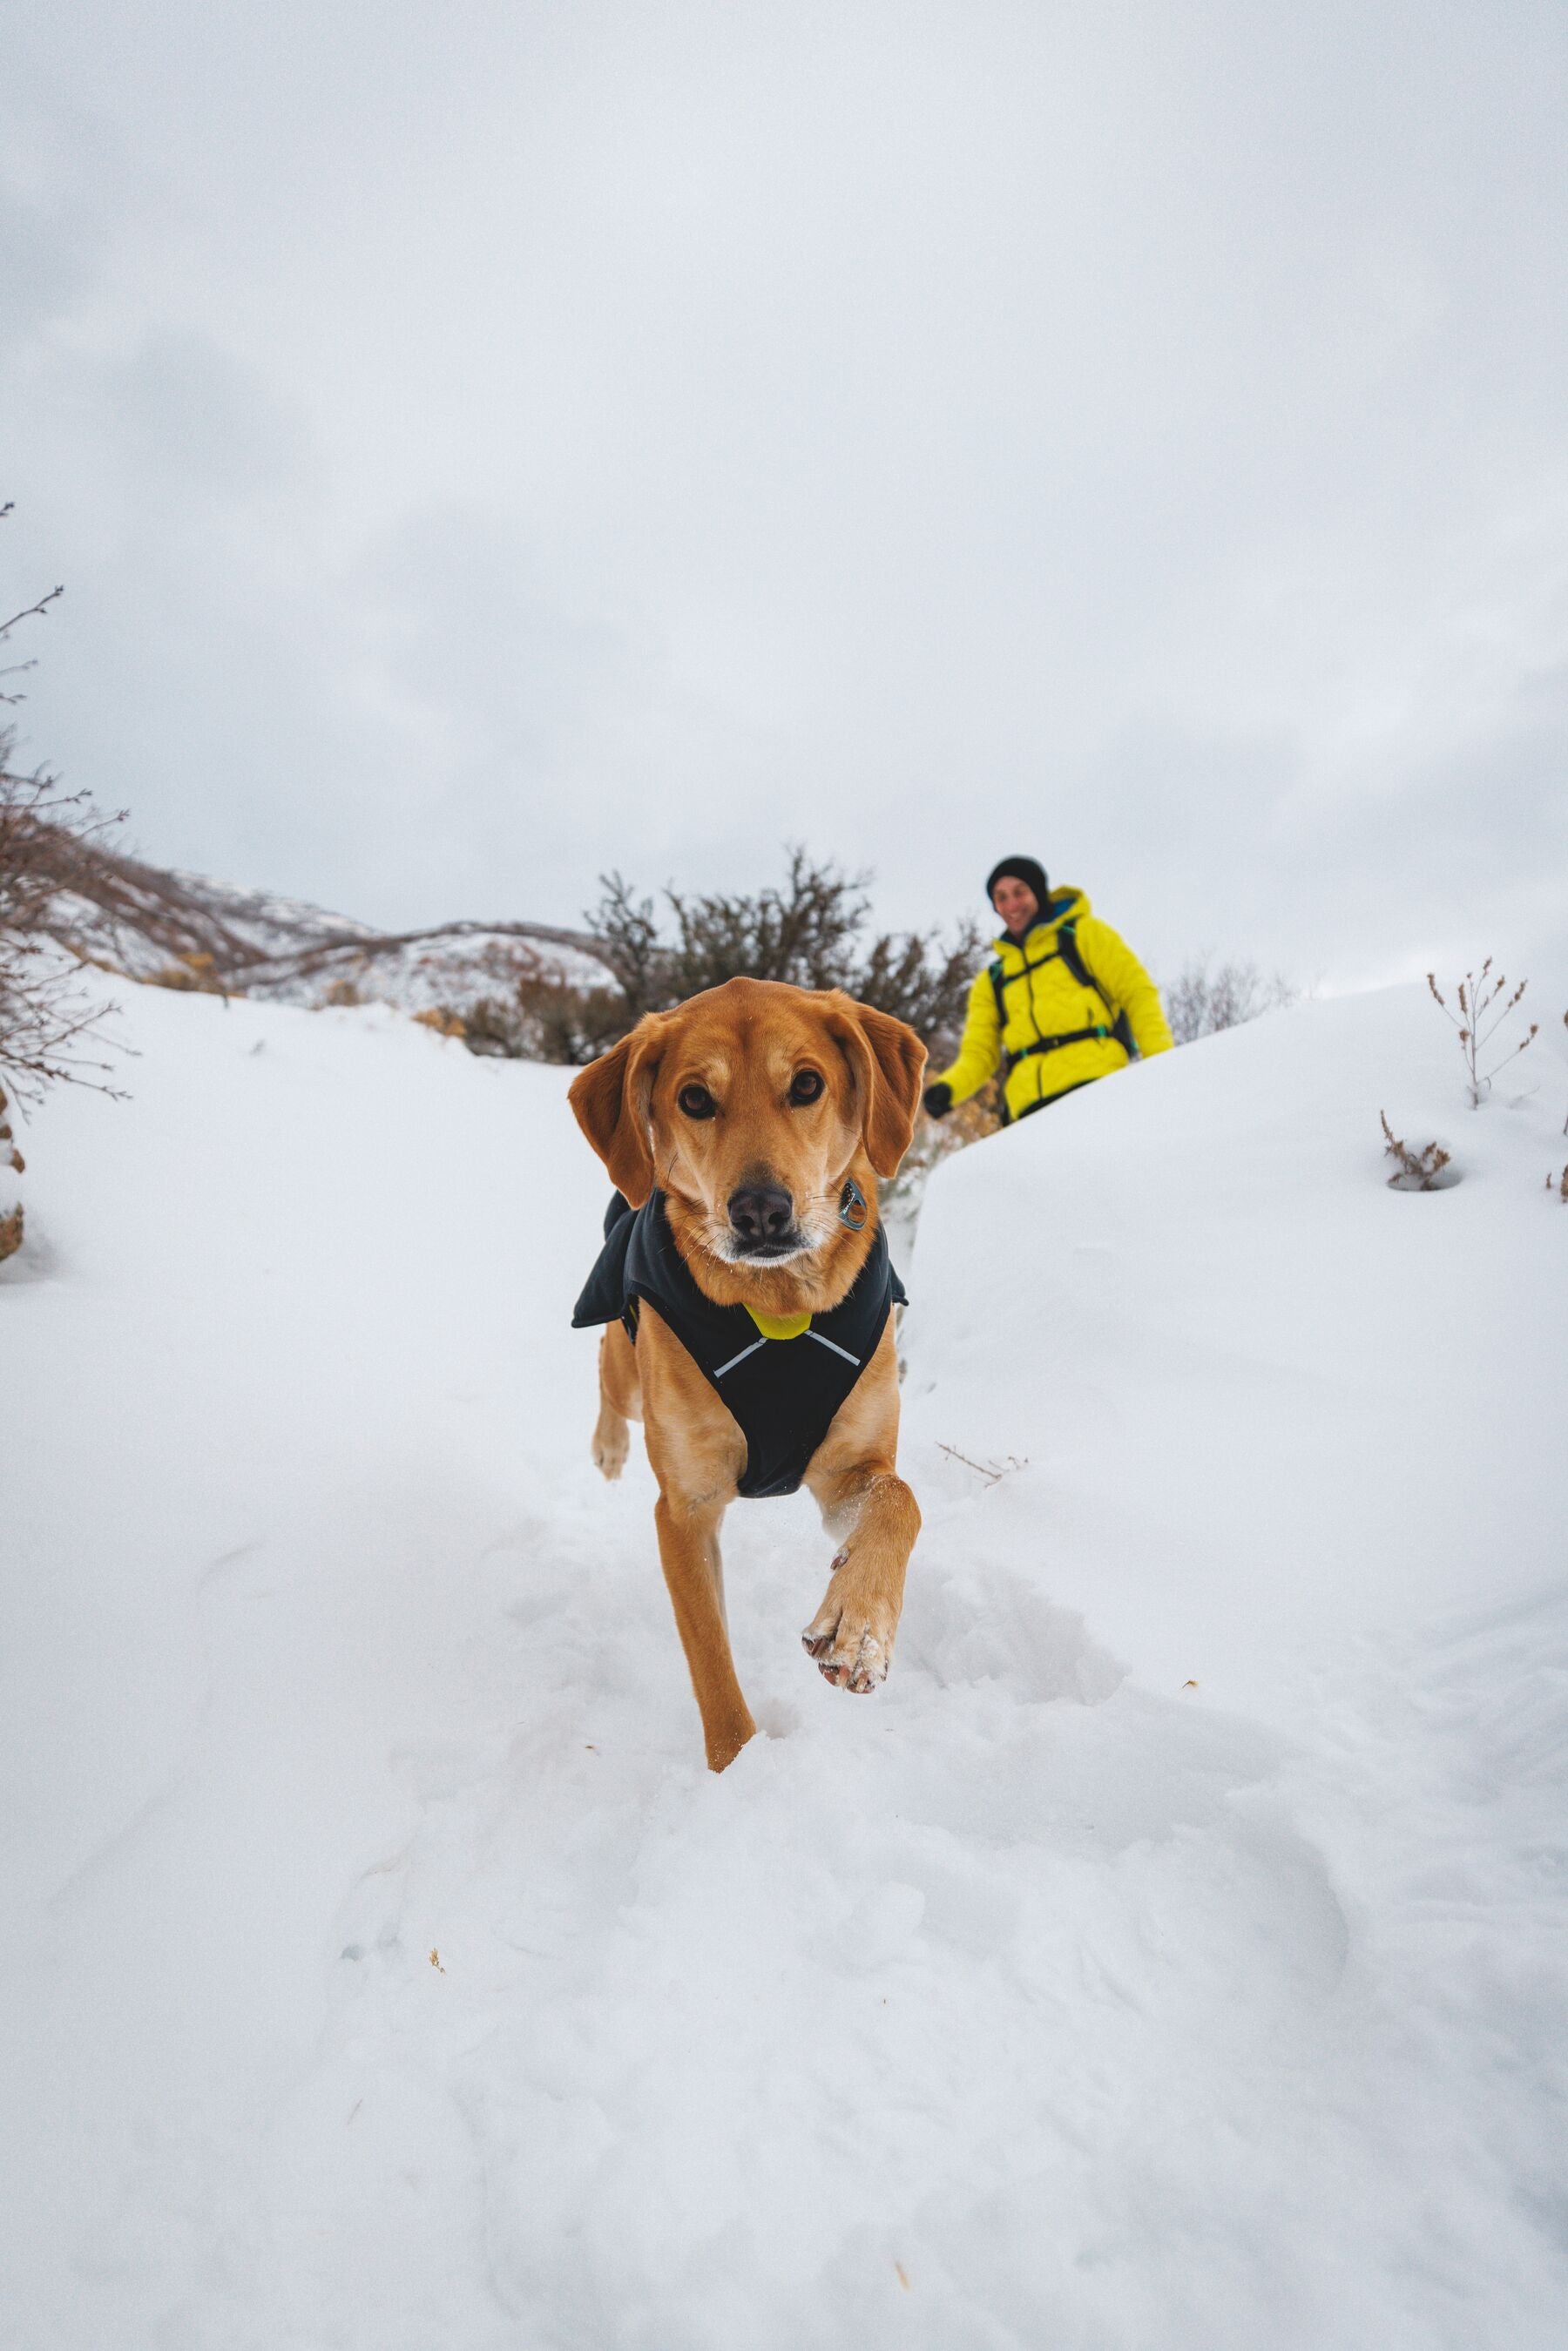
852	1207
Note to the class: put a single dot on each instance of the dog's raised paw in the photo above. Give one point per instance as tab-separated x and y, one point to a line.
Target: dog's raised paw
847	1651
610	1449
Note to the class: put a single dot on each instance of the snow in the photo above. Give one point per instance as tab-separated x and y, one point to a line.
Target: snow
1172	1954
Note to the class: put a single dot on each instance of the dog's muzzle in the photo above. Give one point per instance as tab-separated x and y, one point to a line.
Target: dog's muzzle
762	1221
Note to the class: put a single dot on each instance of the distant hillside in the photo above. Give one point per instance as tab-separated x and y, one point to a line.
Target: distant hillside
185	930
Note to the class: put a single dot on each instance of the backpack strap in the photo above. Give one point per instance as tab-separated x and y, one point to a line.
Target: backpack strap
1072	955
1054	1044
998	986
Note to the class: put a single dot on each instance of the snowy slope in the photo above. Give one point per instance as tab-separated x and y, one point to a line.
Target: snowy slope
1269	1400
383	1970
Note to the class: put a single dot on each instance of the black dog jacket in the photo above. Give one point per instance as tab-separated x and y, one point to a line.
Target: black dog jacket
783	1392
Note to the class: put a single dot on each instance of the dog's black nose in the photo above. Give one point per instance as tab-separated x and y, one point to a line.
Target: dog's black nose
760	1212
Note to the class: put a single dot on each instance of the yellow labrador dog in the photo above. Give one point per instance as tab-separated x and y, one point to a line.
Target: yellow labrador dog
747	1288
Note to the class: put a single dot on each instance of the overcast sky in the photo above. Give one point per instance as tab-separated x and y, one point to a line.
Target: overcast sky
492	443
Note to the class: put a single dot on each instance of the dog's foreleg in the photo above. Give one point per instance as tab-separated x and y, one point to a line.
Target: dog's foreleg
611	1441
619	1396
689	1548
851	1634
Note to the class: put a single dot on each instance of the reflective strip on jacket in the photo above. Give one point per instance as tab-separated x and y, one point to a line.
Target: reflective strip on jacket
1044	999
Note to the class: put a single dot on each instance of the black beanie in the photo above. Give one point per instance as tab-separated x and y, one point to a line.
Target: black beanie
1028	870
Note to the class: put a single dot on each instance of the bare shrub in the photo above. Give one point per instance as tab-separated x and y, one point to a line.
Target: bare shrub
45	1020
11	1164
810	931
1205	997
540	1013
1484	1006
191	975
36	612
1559	1184
1413	1171
46	1025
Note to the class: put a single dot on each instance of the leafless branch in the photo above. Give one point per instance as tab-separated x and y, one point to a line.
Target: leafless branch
31	612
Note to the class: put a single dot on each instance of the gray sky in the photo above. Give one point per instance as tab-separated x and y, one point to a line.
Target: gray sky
488	444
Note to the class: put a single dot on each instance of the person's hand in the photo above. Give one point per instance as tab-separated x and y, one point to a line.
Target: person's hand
938	1098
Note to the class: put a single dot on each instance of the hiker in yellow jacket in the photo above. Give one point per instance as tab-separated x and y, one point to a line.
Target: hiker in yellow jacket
1064	1002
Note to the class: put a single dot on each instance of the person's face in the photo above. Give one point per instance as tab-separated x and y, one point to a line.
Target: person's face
1015	901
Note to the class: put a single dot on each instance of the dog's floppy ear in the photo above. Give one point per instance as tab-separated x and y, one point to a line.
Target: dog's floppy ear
888	1061
610	1099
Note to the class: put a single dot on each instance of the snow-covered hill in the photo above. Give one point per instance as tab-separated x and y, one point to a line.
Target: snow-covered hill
146	921
1173	1954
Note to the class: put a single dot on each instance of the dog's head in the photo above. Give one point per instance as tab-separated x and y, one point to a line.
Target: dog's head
751	1105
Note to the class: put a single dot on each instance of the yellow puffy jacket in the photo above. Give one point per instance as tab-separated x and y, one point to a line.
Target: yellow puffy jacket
1033	994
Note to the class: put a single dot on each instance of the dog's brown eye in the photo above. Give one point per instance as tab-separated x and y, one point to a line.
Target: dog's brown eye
696	1101
805	1086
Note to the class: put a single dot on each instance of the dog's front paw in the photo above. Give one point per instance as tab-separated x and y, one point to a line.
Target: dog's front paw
850	1641
611	1443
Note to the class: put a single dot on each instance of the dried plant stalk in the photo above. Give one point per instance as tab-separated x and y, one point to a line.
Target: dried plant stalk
1413	1171
1484	1005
